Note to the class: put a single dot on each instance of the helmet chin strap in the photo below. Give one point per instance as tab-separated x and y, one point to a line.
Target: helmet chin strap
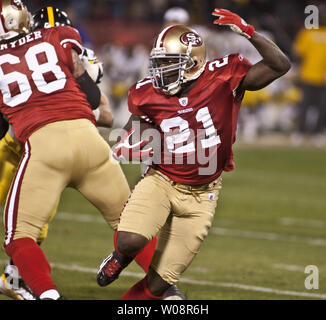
173	88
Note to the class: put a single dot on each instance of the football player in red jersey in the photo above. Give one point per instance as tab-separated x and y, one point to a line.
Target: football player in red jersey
11	151
47	97
194	103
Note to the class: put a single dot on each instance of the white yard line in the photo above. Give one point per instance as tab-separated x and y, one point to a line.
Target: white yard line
74	267
79	217
200	269
284	221
288	267
300	222
230	232
271	236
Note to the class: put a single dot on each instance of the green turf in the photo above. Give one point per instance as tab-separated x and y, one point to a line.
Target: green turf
269	185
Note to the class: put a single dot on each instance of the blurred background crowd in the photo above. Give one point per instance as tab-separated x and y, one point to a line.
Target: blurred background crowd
291	109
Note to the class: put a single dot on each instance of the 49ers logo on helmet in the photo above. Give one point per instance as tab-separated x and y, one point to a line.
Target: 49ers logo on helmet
191	37
18	3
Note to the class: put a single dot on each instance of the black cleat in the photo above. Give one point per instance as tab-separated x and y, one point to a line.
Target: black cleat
111	268
173	293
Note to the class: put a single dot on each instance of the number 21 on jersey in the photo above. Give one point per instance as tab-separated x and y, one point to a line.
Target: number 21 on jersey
211	138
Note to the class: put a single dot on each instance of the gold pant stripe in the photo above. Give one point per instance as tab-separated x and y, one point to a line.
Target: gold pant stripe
12	205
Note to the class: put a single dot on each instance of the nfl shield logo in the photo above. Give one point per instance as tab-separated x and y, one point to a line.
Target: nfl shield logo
183	101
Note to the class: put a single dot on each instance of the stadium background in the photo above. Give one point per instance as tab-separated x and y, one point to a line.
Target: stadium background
270	222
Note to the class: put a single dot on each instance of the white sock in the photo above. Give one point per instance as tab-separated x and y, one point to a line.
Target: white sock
52	294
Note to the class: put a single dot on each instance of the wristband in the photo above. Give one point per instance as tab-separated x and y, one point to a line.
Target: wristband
89	87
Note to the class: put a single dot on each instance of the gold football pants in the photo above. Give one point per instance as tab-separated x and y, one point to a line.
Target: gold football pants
65	153
180	215
10	155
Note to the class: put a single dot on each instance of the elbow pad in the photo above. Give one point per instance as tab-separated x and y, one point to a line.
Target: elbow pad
89	87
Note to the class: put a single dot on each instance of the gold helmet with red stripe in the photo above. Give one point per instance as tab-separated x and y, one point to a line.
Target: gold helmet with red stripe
178	56
14	19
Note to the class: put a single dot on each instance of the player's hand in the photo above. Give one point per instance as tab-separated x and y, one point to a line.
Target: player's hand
92	65
236	23
124	151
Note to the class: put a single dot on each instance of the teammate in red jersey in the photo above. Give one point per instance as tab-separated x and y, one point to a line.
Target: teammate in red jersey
194	104
46	95
11	151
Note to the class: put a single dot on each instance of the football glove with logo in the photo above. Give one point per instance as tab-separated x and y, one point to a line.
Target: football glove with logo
236	23
92	65
124	151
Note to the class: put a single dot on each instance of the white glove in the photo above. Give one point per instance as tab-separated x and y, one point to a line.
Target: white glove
92	65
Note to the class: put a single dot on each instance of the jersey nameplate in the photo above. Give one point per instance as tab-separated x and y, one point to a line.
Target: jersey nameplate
21	41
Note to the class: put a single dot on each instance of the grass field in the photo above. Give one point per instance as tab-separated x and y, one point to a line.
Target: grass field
270	224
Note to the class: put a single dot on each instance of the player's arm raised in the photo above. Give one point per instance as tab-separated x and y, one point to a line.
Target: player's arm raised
86	83
96	98
274	63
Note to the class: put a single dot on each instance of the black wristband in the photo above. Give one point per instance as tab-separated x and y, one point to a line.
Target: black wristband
89	87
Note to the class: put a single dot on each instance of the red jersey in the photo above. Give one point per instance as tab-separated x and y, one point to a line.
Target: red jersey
36	82
198	130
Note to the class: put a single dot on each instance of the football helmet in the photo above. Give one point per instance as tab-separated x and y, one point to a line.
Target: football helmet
178	56
48	17
14	20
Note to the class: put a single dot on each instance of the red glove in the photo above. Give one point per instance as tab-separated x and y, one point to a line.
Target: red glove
124	151
236	23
